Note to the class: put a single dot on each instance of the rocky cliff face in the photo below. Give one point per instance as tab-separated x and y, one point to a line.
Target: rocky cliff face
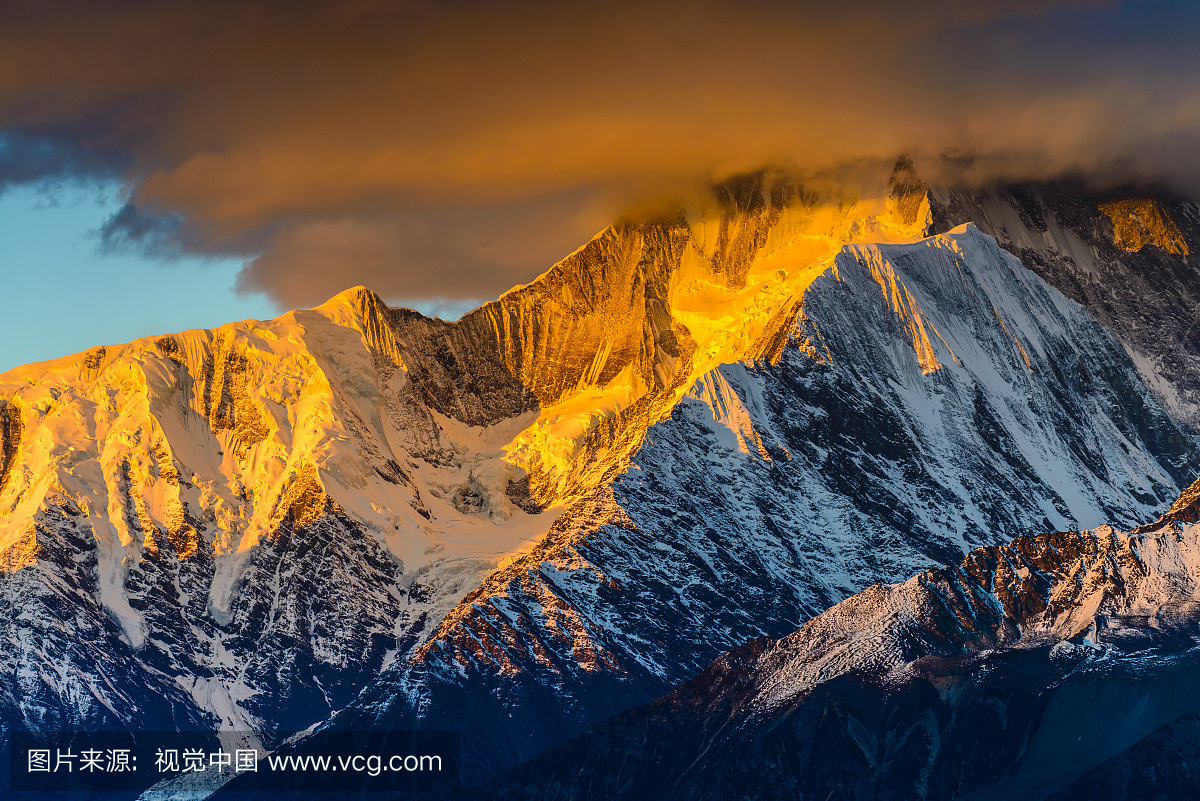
1006	676
1163	765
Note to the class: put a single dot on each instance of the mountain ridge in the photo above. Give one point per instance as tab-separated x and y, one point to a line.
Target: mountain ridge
328	508
1122	255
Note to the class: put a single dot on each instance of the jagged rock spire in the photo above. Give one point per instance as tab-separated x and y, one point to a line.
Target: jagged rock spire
1187	508
907	189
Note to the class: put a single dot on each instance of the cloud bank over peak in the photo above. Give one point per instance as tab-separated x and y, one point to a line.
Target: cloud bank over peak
453	149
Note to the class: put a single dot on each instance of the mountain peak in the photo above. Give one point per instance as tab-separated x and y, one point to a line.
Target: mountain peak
908	190
354	296
1029	663
1186	509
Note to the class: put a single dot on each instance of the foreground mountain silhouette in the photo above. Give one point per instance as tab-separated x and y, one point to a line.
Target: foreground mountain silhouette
692	432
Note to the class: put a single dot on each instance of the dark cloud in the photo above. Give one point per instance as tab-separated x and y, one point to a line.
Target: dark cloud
450	149
28	158
436	252
131	229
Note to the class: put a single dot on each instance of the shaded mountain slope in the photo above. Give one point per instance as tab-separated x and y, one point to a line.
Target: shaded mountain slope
1128	258
1006	676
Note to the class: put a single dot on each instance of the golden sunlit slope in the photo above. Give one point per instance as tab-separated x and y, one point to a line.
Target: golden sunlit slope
610	339
212	438
1139	222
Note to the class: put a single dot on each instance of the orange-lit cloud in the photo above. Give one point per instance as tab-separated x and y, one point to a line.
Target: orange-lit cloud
450	149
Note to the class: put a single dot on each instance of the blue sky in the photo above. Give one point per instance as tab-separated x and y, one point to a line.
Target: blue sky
62	295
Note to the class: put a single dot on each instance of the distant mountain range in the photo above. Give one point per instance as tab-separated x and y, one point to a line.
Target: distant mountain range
693	432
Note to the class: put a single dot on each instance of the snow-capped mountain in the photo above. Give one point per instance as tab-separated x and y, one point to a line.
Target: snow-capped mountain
1006	676
928	398
267	514
1125	257
691	432
227	507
